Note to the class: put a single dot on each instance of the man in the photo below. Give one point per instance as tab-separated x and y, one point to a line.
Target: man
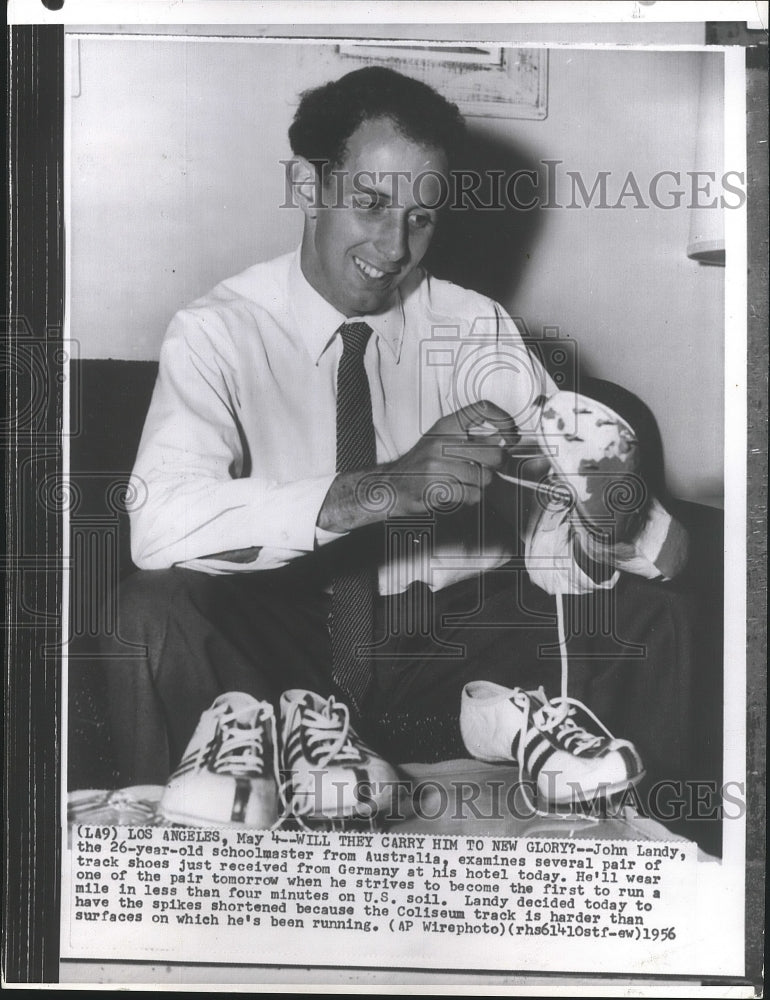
320	524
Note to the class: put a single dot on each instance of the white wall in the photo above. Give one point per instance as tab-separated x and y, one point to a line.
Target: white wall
619	281
175	184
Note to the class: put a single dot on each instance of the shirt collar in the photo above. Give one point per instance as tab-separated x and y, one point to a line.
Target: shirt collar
318	320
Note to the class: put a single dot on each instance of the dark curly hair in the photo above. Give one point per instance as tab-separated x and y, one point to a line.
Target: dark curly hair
328	115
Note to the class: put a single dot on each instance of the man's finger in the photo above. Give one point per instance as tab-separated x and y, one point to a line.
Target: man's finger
481	451
504	435
484	419
475	414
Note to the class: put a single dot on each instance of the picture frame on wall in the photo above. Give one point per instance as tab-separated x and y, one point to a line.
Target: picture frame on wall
485	81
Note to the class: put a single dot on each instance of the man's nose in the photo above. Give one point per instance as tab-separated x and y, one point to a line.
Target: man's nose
393	238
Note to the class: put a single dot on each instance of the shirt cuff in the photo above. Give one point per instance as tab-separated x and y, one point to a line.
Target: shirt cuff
660	550
275	515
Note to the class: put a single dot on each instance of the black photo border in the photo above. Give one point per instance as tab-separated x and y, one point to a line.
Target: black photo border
32	452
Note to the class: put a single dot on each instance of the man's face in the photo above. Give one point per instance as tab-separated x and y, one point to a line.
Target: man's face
374	227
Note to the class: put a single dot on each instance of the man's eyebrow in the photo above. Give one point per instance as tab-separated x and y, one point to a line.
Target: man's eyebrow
383	186
366	184
379	193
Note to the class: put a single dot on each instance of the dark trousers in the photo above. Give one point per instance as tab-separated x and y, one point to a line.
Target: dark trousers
641	656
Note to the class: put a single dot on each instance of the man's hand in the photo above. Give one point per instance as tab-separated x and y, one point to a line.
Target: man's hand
448	468
453	461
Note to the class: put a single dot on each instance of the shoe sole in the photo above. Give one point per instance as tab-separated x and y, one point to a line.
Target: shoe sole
184	819
606	792
374	807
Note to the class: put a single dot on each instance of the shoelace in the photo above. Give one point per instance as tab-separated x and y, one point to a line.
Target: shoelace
249	742
555	714
326	734
563	656
241	753
523	700
557	717
237	748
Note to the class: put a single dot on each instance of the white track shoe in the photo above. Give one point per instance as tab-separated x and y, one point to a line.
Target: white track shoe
555	743
228	774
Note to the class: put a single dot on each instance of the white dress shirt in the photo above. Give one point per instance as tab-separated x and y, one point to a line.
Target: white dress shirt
238	448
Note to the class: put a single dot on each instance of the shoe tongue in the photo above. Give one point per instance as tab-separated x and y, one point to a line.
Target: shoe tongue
537	700
322	706
328	711
244	719
306	705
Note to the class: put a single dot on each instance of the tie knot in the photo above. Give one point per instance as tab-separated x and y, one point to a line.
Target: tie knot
355	337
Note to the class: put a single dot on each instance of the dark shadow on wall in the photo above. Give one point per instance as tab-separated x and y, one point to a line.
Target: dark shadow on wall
484	240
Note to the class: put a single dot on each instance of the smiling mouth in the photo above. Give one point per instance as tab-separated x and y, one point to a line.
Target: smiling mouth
370	271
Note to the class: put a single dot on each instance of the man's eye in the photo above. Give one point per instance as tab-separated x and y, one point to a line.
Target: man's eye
419	220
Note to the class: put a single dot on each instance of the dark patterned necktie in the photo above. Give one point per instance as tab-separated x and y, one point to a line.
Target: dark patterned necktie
353	593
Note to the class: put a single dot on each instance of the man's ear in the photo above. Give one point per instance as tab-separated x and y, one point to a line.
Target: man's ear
305	184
